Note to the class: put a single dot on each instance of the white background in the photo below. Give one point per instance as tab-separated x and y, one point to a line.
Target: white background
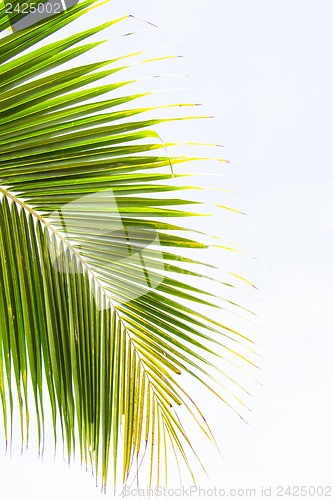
264	69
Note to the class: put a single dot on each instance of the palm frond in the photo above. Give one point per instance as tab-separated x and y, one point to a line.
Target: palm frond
93	296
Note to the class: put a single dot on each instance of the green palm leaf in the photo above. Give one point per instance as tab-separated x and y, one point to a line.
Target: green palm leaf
93	297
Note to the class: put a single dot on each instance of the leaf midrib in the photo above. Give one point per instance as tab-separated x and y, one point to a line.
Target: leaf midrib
39	217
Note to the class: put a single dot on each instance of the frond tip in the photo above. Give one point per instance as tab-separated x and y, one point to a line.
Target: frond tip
101	292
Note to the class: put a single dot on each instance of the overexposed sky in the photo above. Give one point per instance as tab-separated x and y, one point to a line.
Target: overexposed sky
263	68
